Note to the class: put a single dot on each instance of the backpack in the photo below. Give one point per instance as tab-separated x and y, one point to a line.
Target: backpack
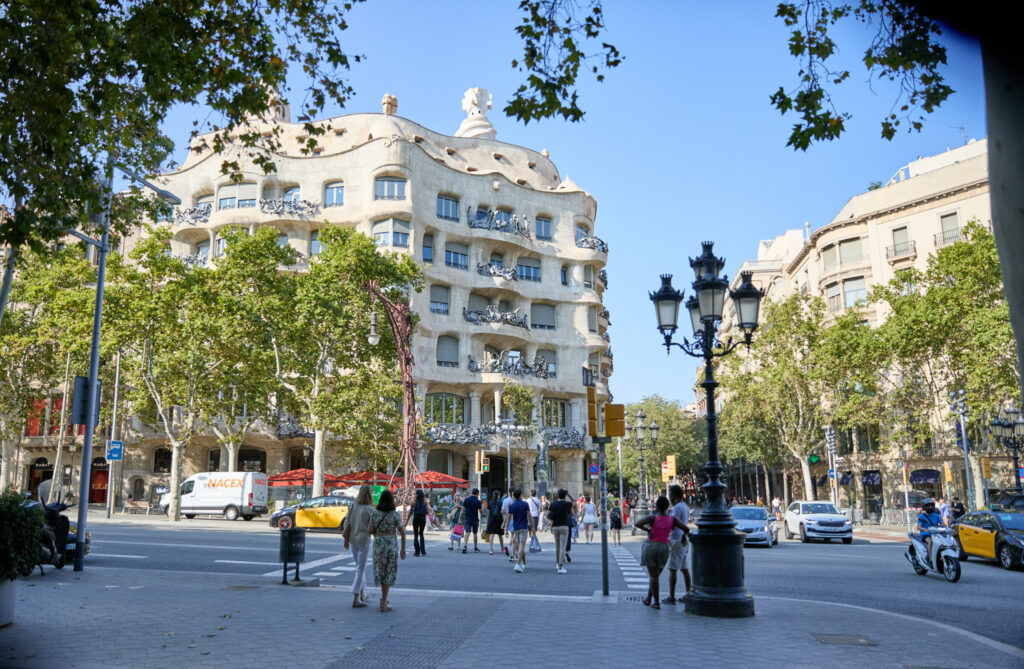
616	514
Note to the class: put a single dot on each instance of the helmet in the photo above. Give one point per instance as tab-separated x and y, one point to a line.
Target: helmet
928	503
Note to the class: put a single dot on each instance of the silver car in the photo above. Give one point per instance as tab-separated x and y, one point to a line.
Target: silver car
758	525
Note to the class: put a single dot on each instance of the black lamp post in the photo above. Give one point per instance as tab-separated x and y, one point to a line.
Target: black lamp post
1009	434
718	588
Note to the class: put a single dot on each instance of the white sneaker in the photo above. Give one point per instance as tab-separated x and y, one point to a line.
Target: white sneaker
518	568
563	571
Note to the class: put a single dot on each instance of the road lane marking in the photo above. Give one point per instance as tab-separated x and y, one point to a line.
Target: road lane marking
133	557
470	593
246	562
269	549
314	564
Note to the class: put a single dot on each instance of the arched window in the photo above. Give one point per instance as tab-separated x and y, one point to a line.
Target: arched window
439	301
542	317
213	460
447	208
389	188
282	239
497	260
314	243
241	195
391	232
162	461
291	194
334	194
445	409
478	302
503	217
447	351
252	460
543	228
204	202
428	249
582	231
203	250
550	359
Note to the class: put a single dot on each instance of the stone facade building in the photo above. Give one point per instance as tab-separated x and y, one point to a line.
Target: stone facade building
514	279
874	236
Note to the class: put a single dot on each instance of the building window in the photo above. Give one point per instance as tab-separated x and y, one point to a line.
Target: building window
205	202
428	249
595	368
314	243
502	217
854	291
850	252
282	240
203	250
835	303
447	351
478	302
239	196
456	255
592	318
291	194
439	296
445	409
950	228
588	276
551	359
447	208
565	275
389	188
542	317
162	461
555	413
529	269
830	257
497	260
391	232
582	231
543	228
334	194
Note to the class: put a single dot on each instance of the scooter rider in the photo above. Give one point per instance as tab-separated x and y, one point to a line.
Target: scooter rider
928	517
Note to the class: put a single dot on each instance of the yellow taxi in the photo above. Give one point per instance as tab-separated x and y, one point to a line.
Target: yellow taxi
324	514
997	535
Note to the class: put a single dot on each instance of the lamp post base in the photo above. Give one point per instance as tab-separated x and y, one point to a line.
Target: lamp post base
718	590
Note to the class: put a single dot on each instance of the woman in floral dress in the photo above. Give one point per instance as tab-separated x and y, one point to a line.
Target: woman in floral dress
384	523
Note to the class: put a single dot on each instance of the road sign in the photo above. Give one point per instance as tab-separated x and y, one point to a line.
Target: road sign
664	469
664	477
986	468
115	450
949	472
671	461
595	469
614	420
831	473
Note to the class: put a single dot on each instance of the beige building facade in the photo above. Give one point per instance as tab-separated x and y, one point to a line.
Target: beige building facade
876	235
514	280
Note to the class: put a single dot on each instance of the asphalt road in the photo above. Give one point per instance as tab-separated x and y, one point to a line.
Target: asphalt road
869	573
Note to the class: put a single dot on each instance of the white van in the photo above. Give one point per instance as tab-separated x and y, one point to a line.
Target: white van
233	494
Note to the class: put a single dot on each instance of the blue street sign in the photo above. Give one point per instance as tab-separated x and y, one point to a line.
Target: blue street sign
595	469
831	473
115	450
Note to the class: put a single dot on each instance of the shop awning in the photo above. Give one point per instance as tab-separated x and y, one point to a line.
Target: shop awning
358	478
872	478
299	477
847	479
432	479
924	476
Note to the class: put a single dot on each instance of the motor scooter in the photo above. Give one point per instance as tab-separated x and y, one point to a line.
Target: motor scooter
944	558
56	540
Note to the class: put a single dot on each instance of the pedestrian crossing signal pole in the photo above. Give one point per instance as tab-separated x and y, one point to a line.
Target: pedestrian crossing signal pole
614	426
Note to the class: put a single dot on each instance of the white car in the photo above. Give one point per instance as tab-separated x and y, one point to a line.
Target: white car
816	520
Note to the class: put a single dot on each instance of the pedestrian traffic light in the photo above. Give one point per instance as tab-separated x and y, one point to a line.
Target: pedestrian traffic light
814	459
614	420
486	465
477	458
592	412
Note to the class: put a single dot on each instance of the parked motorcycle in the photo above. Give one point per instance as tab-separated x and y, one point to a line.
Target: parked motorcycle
944	558
59	539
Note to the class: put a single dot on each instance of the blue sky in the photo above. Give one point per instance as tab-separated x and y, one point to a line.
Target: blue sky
679	144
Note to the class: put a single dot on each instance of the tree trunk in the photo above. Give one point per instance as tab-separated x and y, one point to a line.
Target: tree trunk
232	453
58	461
805	469
9	465
751	478
174	509
785	486
767	485
319	460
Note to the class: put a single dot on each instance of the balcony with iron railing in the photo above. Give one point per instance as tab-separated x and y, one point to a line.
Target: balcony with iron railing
947	237
901	250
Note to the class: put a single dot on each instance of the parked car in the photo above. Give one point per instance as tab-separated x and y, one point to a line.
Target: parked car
233	494
996	534
1007	499
817	520
757	523
322	514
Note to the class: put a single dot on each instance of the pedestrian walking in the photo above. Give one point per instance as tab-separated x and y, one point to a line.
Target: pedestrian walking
678	545
454	521
519	521
615	518
777	507
534	512
545	506
588	518
957	508
472	505
559	513
385	523
655	551
420	510
357	535
495	522
944	511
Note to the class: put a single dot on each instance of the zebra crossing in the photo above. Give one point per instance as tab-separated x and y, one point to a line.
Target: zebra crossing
633	574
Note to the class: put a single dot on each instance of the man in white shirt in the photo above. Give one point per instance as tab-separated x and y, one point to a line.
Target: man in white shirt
534	511
678	546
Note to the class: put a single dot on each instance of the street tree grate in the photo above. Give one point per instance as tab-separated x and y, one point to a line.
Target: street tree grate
844	639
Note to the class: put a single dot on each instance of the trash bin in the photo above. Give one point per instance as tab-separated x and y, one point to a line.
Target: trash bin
293	545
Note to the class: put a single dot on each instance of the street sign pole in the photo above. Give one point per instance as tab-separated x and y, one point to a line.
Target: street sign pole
601	441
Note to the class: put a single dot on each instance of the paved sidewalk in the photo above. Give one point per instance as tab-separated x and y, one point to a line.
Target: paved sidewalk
136	618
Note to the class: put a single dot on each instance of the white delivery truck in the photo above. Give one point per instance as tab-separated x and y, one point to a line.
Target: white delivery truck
233	494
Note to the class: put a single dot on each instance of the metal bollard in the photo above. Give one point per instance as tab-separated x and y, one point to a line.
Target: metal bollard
292	549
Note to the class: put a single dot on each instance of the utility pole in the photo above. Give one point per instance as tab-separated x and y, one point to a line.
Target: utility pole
959	408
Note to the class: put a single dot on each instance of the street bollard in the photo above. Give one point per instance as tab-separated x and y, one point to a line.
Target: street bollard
292	549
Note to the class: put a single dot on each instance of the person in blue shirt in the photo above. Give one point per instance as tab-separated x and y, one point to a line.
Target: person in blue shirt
929	517
520	522
472	506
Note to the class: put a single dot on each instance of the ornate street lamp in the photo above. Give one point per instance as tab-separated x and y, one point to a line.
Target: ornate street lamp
718	588
639	428
1009	434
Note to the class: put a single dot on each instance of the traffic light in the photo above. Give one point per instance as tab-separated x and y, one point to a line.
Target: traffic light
614	420
986	468
592	412
949	472
477	457
486	464
814	459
